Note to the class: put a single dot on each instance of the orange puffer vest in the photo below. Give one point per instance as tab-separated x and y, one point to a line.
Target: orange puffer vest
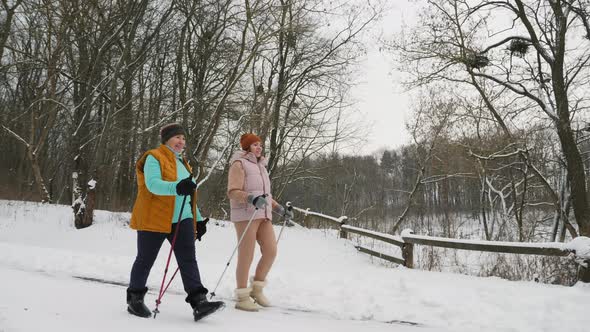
154	212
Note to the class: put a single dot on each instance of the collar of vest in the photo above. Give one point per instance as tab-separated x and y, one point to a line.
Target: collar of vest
176	154
249	156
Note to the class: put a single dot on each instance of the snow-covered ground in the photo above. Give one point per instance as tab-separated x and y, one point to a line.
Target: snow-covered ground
318	283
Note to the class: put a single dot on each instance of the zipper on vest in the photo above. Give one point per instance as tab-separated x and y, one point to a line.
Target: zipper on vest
263	189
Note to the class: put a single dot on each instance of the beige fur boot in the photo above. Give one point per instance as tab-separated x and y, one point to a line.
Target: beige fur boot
243	300
257	294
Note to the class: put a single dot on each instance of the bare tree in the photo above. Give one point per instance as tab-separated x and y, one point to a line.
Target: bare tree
9	8
426	135
87	84
537	65
45	104
532	60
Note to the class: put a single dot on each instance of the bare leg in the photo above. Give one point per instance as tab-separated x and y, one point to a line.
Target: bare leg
268	247
246	250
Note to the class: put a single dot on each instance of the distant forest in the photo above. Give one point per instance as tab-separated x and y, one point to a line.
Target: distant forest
499	121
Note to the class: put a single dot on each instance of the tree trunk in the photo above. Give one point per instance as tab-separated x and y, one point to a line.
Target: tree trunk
43	193
574	163
83	206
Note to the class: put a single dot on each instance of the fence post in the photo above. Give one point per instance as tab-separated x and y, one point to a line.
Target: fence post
408	253
584	271
307	219
343	233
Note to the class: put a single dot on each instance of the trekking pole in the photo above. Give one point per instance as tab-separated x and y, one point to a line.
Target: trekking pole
194	177
234	252
162	290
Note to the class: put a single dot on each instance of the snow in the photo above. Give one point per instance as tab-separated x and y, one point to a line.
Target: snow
79	202
319	283
581	246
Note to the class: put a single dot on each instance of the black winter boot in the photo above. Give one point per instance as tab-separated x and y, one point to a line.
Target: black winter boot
135	303
202	307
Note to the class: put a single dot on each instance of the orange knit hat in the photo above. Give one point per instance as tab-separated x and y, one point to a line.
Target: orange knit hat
248	139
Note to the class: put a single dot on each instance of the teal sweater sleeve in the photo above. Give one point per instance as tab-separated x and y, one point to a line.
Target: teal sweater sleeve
157	186
153	179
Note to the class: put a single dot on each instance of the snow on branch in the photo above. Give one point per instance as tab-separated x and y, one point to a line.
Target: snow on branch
17	136
581	246
441	177
164	119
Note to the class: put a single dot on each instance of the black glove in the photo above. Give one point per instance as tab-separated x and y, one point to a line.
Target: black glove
258	201
285	213
186	186
288	214
202	228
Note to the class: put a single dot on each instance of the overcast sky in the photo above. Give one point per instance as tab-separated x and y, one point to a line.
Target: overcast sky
381	100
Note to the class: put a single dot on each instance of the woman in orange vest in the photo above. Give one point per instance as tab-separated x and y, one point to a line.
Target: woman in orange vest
252	206
158	212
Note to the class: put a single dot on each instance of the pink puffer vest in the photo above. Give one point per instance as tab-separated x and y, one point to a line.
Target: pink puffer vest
256	182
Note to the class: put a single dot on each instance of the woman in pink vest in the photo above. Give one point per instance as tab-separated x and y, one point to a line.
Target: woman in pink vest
250	197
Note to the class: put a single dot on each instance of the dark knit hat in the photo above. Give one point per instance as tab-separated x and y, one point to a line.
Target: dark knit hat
248	139
171	130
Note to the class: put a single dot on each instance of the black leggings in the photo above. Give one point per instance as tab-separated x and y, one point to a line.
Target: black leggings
148	246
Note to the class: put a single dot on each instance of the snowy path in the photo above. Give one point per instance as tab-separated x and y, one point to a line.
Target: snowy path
58	303
330	284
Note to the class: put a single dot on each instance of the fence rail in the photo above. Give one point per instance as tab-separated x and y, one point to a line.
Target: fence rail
407	240
372	252
391	239
545	249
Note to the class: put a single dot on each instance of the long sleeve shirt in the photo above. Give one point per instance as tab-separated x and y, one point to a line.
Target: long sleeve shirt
157	186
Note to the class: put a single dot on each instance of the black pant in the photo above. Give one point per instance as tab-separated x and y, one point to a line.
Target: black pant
148	246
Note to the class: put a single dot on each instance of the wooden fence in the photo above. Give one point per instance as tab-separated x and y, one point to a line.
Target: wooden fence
407	240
